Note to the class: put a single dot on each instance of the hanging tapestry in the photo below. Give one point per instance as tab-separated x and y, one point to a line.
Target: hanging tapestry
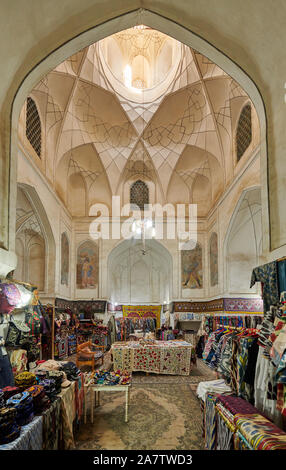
87	266
243	305
64	259
213	256
192	268
267	275
282	275
142	311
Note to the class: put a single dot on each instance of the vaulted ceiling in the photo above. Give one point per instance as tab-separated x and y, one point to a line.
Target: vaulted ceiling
173	124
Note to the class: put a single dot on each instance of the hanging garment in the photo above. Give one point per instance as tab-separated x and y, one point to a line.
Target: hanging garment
268	276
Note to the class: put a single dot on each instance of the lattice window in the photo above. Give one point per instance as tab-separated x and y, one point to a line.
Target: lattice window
139	194
33	126
243	131
139	83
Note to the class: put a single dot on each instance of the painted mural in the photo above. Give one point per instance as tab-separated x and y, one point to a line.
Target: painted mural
64	259
87	266
213	258
192	268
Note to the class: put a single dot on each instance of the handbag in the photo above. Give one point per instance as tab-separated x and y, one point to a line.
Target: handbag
33	321
9	297
18	333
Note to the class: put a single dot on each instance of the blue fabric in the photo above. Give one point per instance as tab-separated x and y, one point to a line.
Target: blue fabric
6	374
282	275
31	437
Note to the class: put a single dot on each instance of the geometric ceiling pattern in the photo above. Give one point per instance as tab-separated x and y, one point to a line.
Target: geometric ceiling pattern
175	129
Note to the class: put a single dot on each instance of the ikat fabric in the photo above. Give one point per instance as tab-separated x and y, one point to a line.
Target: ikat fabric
260	433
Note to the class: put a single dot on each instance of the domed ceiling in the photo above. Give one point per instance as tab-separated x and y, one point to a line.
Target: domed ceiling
139	104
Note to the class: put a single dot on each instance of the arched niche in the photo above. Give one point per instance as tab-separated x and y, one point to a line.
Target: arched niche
136	277
34	241
242	246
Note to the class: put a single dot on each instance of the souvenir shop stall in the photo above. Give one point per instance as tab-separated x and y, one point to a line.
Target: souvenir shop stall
76	322
41	400
244	408
136	348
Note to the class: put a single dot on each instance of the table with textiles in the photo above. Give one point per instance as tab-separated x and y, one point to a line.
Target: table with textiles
31	437
160	357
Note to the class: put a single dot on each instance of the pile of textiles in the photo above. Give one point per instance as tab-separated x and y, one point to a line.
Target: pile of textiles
212	386
58	377
259	433
233	354
49	388
9	429
105	377
71	371
25	380
9	392
23	403
40	400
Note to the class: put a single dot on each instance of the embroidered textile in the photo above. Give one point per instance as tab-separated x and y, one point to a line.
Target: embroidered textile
161	357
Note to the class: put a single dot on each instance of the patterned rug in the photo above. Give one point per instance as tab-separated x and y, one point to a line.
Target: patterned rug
160	418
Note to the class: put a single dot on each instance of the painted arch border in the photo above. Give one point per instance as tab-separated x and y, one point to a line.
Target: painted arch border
107	28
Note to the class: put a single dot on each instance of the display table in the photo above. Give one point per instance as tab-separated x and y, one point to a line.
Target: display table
95	390
31	437
161	357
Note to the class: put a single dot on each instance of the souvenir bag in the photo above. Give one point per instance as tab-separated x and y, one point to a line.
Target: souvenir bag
9	297
19	361
18	333
33	321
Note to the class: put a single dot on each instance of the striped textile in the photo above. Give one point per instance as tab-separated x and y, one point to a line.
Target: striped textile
260	433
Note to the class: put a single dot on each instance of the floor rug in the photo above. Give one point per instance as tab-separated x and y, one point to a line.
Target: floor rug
160	418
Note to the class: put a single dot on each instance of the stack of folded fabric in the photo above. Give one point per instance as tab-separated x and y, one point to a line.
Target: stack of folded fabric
57	376
227	407
49	388
10	391
40	400
71	370
25	380
217	386
9	429
41	375
23	403
105	377
259	433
